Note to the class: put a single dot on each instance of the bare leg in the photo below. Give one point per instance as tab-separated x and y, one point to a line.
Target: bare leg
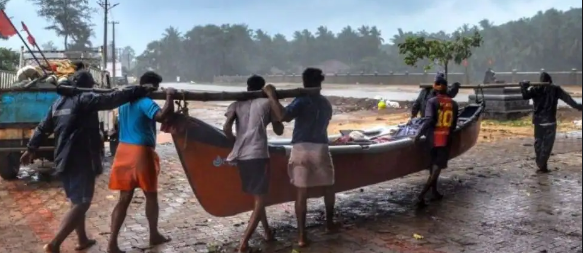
152	213
428	185
71	221
436	194
117	218
269	235
301	212
83	240
330	202
256	217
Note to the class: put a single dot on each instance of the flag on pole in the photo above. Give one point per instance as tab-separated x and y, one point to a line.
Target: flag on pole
7	30
30	38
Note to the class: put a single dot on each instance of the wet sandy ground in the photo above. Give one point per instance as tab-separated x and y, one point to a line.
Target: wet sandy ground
494	203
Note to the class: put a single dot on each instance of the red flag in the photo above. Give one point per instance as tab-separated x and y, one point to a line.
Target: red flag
7	30
30	38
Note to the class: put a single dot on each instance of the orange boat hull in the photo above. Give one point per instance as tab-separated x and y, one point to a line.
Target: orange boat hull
217	186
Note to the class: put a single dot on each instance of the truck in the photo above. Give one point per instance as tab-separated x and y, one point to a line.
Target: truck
21	110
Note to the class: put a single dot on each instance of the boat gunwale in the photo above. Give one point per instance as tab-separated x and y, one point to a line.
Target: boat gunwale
471	121
374	148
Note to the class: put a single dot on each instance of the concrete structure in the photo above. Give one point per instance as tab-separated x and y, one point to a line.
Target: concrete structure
504	103
572	77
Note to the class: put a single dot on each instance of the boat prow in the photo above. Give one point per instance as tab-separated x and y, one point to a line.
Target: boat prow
203	149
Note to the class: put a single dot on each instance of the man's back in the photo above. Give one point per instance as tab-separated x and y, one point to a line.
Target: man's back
442	110
252	118
312	116
137	124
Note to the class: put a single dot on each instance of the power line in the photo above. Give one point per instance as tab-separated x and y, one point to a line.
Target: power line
106	8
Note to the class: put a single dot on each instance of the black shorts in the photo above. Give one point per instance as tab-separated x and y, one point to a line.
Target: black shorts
79	184
254	176
439	157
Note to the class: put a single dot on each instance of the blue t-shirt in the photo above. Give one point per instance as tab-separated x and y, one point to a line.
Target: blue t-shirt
312	115
137	124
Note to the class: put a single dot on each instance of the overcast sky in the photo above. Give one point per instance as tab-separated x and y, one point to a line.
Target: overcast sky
142	21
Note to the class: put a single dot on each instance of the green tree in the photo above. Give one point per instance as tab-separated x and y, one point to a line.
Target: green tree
545	40
8	59
3	4
69	19
437	51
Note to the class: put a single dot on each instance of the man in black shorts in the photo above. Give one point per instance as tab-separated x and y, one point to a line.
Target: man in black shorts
251	153
441	113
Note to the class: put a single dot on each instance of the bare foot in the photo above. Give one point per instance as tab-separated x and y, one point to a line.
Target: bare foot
437	195
157	239
303	241
421	203
269	235
48	248
243	248
88	243
332	228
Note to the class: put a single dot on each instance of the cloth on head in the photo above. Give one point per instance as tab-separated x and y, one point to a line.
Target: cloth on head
310	165
135	166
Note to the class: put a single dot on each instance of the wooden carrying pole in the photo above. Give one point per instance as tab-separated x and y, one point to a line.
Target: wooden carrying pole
488	86
181	94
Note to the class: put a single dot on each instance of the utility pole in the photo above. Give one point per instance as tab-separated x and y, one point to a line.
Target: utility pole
113	49
106	8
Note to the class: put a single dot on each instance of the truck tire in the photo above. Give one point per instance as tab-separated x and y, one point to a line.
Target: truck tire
9	165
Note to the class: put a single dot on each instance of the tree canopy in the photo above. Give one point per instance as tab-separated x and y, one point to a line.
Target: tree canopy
70	20
547	40
437	51
8	59
3	4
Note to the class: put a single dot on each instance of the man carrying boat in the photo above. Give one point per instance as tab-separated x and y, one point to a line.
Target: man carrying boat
545	99
136	164
441	114
74	122
428	93
251	152
310	163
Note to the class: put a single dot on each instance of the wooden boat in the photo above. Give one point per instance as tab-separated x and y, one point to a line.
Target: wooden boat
203	148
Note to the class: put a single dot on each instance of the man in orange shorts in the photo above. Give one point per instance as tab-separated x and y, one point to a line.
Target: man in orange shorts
136	164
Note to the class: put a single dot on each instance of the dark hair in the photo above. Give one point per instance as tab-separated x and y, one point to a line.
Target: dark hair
151	77
83	79
313	77
255	82
441	81
79	65
545	78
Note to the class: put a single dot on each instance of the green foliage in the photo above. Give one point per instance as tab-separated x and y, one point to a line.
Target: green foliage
8	59
69	19
545	41
3	4
439	51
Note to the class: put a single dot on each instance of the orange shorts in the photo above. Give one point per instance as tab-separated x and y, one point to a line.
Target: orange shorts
135	166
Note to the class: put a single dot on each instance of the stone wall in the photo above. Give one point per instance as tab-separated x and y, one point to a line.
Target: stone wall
560	78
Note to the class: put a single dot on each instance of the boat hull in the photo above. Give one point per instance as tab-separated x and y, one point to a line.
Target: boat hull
217	185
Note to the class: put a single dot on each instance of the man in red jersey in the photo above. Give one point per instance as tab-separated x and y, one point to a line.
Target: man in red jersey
441	113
